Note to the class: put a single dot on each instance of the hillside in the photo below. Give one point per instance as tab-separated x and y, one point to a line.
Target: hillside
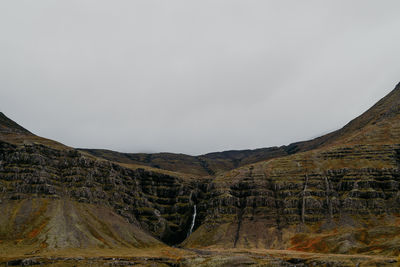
58	223
339	193
203	165
213	163
341	197
10	126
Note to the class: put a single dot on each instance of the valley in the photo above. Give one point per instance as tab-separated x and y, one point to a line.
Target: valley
333	201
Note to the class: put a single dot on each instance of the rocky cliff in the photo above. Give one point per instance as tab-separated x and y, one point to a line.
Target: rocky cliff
336	193
160	204
322	193
203	165
332	198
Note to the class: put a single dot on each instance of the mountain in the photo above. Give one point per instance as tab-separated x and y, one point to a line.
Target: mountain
56	223
217	162
342	196
203	165
10	126
338	193
387	109
13	133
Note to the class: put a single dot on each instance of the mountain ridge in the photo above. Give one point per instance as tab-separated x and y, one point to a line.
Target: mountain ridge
9	126
215	162
339	193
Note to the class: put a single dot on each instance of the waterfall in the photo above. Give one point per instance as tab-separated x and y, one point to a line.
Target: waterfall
193	220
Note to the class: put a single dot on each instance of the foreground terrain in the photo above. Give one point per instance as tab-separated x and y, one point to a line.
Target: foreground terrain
332	201
166	256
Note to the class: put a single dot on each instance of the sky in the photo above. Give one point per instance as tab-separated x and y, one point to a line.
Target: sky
194	76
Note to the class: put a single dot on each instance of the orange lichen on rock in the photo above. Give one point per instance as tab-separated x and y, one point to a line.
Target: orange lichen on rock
42	209
37	230
168	254
43	245
316	244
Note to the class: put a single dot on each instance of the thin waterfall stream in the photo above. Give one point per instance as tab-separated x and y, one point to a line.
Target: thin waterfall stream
193	220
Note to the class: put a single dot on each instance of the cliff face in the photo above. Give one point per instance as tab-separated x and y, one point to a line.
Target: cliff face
337	193
265	205
333	198
158	203
203	165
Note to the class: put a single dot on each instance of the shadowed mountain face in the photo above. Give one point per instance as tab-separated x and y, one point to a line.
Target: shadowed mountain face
337	193
204	165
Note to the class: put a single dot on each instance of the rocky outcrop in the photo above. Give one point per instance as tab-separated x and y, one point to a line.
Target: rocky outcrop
268	203
338	193
204	165
159	203
263	205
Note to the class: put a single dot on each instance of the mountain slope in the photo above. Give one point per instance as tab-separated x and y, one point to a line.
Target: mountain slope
13	133
338	197
203	165
10	126
45	224
386	109
338	193
213	163
156	202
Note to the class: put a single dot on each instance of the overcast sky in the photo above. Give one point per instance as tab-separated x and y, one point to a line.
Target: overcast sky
194	76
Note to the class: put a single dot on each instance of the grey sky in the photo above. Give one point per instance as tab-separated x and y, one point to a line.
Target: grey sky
194	76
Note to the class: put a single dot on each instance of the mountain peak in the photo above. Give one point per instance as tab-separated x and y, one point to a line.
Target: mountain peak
385	109
9	126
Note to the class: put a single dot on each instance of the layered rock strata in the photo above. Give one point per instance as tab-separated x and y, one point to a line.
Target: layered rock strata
159	203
